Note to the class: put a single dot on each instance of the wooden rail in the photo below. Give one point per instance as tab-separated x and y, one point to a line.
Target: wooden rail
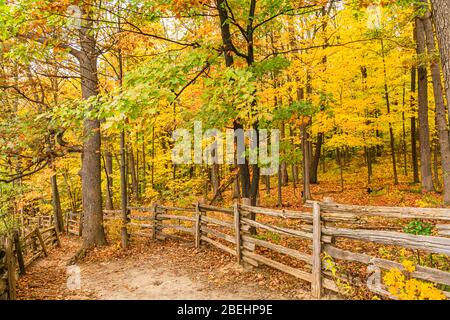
22	252
36	243
7	269
230	230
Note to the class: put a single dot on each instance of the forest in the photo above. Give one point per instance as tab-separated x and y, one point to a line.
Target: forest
350	97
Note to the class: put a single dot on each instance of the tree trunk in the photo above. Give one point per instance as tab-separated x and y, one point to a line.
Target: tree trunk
294	165
367	152
279	188
93	232
144	165
284	173
134	182
305	148
388	107
315	161
341	171
441	12
56	202
215	179
405	156
123	187
243	171
441	117
267	185
415	162
437	181
153	158
236	191
424	130
255	176
109	180
137	172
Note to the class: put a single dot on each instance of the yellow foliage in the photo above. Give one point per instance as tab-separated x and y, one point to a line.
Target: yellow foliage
407	288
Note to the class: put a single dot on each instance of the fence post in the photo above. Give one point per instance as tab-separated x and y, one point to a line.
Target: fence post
251	216
155	221
198	222
19	253
41	241
10	265
67	221
316	283
124	230
237	231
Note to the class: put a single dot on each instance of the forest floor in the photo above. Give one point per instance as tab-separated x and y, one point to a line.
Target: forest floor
155	270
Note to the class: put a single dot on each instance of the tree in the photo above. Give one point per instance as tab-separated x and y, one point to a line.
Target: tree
441	114
424	131
441	10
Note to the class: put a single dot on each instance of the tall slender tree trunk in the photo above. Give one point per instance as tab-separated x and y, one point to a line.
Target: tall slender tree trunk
267	178
341	171
254	187
441	14
279	187
441	116
132	171
367	152
424	130
294	165
56	202
244	172
284	172
144	166
153	157
415	161
306	166
93	232
316	159
215	178
405	157
137	172
109	185
388	107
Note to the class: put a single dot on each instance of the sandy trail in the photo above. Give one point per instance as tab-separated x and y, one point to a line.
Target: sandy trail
143	280
155	270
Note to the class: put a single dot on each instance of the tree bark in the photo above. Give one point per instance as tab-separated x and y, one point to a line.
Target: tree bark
109	183
341	170
441	117
424	130
215	179
134	182
56	202
279	188
367	152
316	158
306	167
441	12
93	232
415	162
388	107
284	173
123	187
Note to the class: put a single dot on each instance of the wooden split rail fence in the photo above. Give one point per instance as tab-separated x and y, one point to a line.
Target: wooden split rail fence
317	234
18	253
7	267
40	221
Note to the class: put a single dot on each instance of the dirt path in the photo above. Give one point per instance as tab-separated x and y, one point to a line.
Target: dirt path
155	270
